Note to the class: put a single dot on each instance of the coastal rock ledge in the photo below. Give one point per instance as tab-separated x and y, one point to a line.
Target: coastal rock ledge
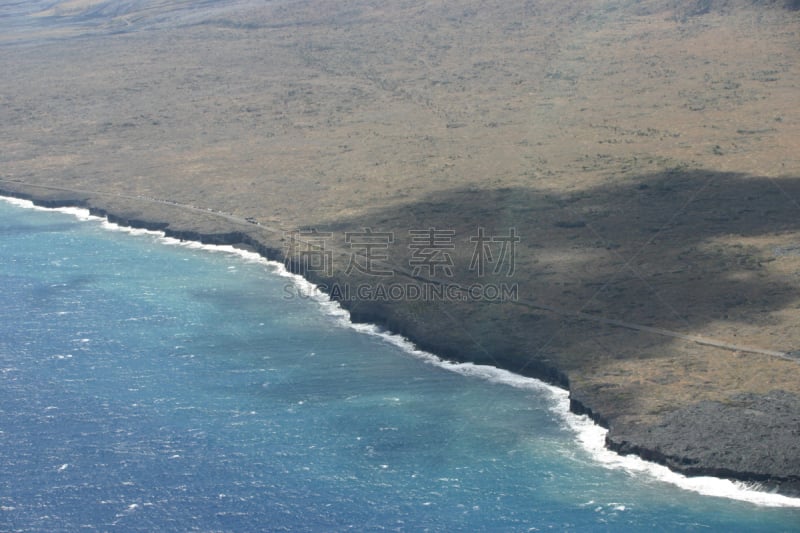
748	437
754	438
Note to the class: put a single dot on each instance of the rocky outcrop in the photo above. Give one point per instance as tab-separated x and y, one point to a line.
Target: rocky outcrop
750	438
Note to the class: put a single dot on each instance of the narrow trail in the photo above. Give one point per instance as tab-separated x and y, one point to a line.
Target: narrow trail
698	339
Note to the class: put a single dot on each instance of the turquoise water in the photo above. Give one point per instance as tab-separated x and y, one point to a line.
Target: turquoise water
146	386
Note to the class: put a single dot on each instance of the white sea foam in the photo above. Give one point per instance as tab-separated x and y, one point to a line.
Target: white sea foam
592	439
27	204
127	229
589	435
78	212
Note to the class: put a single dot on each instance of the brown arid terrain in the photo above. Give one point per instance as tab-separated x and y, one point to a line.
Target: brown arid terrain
645	153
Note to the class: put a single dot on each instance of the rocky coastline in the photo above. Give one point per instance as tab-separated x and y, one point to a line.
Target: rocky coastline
641	155
752	438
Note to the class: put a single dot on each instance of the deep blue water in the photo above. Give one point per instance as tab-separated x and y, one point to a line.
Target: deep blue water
150	387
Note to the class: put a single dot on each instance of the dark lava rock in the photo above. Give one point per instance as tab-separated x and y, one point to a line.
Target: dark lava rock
750	437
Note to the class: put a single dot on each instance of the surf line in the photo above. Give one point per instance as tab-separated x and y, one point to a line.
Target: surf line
590	436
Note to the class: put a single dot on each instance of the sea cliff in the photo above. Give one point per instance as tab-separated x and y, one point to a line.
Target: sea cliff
748	437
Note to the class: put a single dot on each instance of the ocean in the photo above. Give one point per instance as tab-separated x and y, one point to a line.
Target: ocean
152	385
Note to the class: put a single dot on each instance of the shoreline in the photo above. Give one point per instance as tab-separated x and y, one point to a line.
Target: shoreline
743	486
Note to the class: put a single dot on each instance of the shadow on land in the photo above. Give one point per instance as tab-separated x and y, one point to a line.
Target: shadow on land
676	250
